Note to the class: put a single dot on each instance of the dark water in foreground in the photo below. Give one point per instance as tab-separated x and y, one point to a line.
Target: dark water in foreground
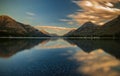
59	57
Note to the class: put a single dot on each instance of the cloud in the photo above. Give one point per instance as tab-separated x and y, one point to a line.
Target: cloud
68	21
60	43
65	20
97	63
30	13
96	11
55	29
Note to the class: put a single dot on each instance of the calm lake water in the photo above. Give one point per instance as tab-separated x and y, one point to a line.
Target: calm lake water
59	57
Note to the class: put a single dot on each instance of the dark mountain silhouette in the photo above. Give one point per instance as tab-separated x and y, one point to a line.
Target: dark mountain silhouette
110	29
54	35
88	29
11	28
9	47
110	46
69	33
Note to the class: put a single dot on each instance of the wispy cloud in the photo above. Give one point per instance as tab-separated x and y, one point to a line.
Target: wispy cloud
96	63
96	11
30	13
55	29
55	44
66	20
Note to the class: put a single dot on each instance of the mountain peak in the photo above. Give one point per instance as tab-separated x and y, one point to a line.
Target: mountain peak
89	24
9	27
110	29
5	17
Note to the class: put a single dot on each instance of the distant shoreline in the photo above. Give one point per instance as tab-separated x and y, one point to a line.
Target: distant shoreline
85	38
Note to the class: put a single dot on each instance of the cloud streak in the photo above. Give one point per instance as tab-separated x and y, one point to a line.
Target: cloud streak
55	29
55	44
97	63
96	11
30	13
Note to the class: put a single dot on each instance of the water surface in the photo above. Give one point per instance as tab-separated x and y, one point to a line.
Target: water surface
59	57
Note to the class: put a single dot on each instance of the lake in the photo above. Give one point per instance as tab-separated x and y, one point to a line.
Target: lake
59	57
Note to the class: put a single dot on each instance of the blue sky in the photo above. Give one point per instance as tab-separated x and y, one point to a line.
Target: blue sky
39	12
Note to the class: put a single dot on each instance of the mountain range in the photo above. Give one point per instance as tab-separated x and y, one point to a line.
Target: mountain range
109	46
110	29
17	45
11	28
54	30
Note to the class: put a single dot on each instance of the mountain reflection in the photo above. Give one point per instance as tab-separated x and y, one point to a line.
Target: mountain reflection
9	47
97	63
97	57
59	57
109	46
55	44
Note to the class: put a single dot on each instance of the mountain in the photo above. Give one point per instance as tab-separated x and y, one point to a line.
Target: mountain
9	47
110	29
54	31
11	28
86	29
69	33
109	46
47	33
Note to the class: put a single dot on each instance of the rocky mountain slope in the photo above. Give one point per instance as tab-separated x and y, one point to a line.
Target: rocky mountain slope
88	29
91	45
9	47
11	28
110	29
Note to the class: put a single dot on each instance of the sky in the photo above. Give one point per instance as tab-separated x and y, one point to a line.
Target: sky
55	29
98	12
39	12
60	13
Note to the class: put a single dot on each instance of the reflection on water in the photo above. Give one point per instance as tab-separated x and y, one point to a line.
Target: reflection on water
9	47
109	46
97	63
59	57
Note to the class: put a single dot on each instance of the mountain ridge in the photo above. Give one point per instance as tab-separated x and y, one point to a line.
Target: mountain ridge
11	28
110	29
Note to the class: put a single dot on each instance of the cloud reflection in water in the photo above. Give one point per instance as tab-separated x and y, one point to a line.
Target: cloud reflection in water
97	63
